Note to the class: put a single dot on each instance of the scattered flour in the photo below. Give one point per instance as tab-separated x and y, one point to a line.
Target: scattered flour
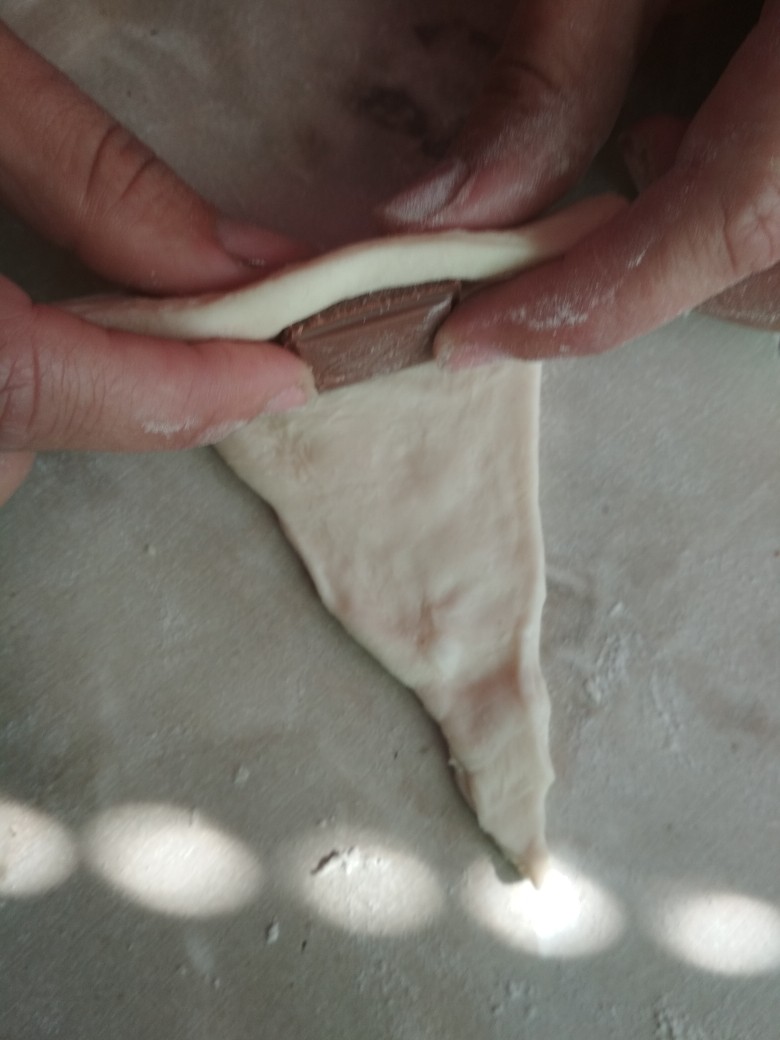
671	1024
168	429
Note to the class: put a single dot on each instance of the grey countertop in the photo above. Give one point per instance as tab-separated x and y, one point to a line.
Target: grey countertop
218	816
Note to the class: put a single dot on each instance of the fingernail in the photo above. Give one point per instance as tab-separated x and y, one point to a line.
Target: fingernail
286	400
257	246
429	196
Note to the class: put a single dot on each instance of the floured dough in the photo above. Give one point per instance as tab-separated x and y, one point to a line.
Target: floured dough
413	500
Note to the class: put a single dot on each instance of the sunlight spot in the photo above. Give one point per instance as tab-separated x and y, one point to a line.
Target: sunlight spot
362	883
36	852
172	860
568	916
722	932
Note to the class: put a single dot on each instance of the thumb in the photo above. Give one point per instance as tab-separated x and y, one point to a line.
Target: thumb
68	384
550	103
712	221
649	149
83	181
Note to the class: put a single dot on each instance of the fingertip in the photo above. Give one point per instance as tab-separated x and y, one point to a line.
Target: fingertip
258	247
282	381
214	254
159	426
236	382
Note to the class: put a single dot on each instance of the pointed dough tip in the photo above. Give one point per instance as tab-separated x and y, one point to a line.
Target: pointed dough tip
534	863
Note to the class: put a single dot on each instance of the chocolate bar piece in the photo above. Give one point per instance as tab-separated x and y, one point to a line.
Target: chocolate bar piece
374	334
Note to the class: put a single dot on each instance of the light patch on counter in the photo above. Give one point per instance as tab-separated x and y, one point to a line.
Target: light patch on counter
722	932
36	852
172	860
364	883
567	916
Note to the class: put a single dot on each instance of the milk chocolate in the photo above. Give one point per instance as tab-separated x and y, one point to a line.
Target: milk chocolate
374	334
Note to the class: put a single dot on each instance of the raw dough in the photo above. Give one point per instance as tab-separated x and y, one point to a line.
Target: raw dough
263	310
413	500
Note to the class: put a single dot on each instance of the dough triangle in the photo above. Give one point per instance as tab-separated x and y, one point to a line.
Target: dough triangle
413	501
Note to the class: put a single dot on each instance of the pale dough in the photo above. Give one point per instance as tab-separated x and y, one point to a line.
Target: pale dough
413	500
263	310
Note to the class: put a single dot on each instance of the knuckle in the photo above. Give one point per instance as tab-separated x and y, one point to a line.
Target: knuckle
19	394
751	231
117	166
44	401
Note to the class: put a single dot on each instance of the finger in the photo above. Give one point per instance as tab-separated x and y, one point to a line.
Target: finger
550	103
85	182
649	150
710	222
65	383
14	467
650	147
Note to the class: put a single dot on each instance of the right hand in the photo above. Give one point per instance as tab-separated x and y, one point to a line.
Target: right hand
85	182
704	229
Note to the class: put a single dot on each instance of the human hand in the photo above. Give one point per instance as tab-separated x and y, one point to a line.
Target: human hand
708	217
83	181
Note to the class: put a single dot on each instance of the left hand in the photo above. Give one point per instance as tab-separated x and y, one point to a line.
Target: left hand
709	222
84	181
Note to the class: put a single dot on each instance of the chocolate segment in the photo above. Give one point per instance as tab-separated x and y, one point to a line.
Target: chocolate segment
372	335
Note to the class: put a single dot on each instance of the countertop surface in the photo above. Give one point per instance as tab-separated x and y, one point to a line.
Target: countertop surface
218	816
